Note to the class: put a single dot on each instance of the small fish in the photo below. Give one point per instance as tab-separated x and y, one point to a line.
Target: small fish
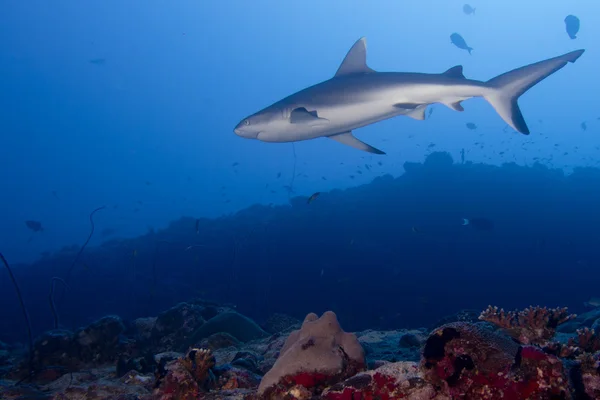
235	164
414	229
197	226
98	61
584	126
429	112
572	26
467	9
313	197
480	224
134	253
471	126
460	42
594	302
148	183
35	226
278	175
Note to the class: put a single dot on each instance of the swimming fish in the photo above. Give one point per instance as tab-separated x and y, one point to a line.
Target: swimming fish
471	126
467	9
35	226
460	42
480	224
313	197
572	26
594	302
358	96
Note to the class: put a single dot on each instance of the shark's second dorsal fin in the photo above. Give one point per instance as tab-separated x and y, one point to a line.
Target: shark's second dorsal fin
356	60
455	72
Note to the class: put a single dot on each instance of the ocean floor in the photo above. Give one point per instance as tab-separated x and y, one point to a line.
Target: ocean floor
203	350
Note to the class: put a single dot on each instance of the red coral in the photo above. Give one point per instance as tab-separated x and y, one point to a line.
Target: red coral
472	362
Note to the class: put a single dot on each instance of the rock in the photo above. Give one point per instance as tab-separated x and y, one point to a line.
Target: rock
219	340
55	348
163	358
233	323
142	365
569	327
144	327
468	315
175	326
232	377
385	346
249	361
318	354
101	341
411	339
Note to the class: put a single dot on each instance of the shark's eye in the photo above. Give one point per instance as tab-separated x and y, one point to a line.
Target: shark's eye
246	122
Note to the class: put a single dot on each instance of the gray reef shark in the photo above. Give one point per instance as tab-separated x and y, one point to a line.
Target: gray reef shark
358	96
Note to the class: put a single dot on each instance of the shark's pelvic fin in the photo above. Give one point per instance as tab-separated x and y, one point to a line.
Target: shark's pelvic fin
302	116
505	89
455	72
413	110
455	106
348	139
356	60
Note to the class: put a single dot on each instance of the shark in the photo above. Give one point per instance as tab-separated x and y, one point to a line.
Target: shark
357	96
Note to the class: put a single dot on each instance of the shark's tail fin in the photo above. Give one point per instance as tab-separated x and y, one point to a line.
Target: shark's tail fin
506	88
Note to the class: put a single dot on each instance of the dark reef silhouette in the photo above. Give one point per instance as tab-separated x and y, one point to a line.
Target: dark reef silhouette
389	254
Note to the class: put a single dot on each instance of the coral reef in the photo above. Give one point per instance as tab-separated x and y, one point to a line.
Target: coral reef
516	356
534	325
402	380
475	362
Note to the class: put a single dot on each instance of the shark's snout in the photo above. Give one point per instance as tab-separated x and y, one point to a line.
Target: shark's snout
243	130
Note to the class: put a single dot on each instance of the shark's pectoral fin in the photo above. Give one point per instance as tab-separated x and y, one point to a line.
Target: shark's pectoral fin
455	72
356	60
302	116
456	106
348	139
413	110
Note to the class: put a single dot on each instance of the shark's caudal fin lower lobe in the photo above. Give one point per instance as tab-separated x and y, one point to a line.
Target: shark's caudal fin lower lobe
506	88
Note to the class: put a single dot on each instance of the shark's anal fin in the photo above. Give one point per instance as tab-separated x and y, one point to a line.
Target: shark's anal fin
355	61
413	110
455	72
302	116
348	139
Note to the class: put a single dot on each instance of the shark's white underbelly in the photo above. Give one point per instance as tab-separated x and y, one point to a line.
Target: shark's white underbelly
362	109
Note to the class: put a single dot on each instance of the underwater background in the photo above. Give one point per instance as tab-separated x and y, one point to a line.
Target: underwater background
125	190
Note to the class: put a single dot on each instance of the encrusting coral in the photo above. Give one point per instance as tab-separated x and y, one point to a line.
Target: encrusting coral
317	355
534	325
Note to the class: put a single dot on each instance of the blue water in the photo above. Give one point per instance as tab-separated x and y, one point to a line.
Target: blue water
132	106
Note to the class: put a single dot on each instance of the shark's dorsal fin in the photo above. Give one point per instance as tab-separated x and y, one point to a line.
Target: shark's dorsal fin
356	60
455	72
348	139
